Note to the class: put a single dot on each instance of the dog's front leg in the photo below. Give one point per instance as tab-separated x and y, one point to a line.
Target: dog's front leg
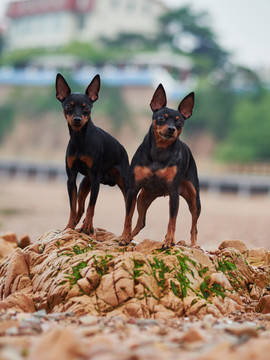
125	238
72	193
174	205
84	190
87	226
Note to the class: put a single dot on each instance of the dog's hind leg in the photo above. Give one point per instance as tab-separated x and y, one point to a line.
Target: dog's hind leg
144	201
190	193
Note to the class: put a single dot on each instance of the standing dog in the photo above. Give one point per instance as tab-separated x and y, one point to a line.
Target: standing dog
163	165
91	151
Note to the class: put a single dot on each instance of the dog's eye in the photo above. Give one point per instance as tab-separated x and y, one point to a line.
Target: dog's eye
161	119
178	123
69	107
86	109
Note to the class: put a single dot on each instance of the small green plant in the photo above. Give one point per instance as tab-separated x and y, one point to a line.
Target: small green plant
167	251
225	266
230	269
75	276
123	249
181	275
184	282
62	283
193	302
216	289
204	289
174	288
101	264
137	266
77	251
236	281
159	268
25	352
202	270
66	254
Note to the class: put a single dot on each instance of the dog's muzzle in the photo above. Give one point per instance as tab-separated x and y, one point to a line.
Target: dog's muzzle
77	120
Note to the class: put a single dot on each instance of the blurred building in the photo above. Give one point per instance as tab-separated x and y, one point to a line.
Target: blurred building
52	23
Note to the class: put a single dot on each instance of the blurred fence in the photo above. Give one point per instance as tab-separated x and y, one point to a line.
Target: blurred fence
259	168
30	171
241	184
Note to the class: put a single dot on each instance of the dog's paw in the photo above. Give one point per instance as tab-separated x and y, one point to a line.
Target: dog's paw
123	241
168	243
87	230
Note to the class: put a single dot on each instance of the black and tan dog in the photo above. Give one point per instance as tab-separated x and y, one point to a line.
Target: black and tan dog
163	165
91	151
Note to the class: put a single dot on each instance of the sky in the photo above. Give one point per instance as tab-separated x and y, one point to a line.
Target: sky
242	26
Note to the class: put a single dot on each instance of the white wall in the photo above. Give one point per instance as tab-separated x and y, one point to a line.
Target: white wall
41	31
114	16
108	18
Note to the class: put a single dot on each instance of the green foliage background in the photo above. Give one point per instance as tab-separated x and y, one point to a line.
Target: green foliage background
248	136
33	102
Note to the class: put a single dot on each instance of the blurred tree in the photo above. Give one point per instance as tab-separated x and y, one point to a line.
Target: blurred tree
7	116
86	52
248	135
19	58
244	80
1	43
184	32
190	33
214	107
114	107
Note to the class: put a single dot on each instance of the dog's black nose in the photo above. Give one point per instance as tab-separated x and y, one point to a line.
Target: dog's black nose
171	129
77	119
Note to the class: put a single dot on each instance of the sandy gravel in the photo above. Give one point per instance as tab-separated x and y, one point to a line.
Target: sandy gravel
35	207
40	336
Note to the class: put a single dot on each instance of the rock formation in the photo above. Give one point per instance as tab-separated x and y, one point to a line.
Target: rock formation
65	271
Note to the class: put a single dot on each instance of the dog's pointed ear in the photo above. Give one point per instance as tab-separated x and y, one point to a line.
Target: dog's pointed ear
186	106
62	88
93	89
159	99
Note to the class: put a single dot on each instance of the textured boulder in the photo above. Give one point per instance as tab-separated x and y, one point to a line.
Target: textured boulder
8	243
264	305
258	256
65	271
236	244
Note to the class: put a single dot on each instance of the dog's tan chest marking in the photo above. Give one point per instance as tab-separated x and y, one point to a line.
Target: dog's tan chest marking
87	160
143	172
167	173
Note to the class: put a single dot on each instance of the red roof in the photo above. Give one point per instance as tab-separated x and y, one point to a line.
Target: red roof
17	9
